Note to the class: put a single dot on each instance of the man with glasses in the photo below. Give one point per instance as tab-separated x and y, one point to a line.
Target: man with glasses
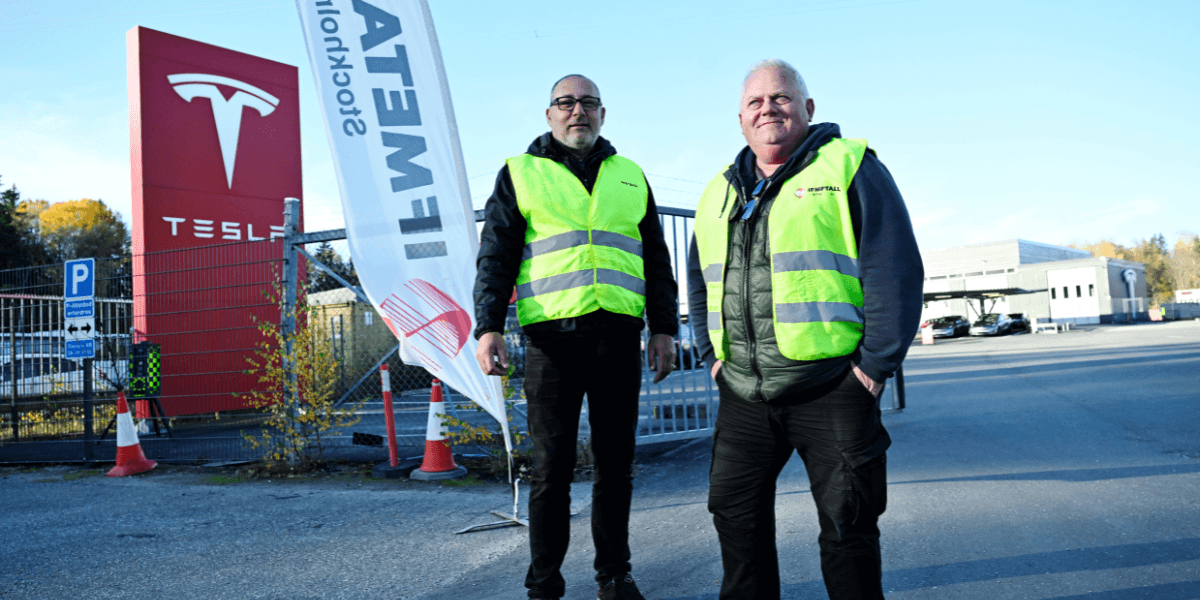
574	228
804	281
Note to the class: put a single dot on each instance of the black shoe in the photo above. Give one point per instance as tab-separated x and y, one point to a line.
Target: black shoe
621	588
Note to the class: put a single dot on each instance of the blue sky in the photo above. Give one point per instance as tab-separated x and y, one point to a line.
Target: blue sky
1056	122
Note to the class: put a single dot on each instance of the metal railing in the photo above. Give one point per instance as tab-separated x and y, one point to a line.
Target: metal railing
59	410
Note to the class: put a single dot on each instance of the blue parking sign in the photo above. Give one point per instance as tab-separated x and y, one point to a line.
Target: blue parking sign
79	280
79	288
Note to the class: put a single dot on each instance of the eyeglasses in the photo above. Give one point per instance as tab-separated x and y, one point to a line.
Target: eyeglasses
567	103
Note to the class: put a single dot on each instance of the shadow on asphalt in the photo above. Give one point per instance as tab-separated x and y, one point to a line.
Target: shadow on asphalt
1073	475
1184	590
1040	563
1114	351
1070	475
1044	369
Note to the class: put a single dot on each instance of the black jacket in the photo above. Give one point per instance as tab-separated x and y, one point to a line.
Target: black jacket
503	238
890	268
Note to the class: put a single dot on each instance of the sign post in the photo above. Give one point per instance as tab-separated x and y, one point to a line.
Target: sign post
79	302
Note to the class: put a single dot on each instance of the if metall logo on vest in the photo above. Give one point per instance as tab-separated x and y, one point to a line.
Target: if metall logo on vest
825	188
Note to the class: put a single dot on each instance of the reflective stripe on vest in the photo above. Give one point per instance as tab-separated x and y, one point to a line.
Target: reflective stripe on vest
583	252
815	286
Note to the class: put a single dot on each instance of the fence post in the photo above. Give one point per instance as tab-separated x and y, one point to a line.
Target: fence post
291	226
88	407
12	371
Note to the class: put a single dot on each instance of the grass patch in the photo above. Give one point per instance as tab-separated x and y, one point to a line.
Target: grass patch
224	479
468	481
81	475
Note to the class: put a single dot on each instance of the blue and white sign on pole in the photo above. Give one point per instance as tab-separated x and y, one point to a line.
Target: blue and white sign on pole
79	305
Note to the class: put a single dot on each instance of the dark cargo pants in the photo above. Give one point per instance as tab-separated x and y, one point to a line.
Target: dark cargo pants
836	430
607	365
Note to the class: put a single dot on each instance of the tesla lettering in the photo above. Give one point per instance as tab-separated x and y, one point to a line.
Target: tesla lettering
227	114
230	230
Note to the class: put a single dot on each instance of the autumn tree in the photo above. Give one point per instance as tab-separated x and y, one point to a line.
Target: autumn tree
1107	248
1185	262
83	228
20	232
1160	286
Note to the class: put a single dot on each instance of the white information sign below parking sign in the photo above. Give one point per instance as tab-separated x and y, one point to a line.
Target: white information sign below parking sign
79	306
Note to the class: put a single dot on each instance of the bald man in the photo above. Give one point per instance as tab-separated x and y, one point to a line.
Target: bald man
574	228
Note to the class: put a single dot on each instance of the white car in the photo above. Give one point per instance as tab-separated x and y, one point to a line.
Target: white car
992	324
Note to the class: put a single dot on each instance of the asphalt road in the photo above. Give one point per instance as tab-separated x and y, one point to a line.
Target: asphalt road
1025	467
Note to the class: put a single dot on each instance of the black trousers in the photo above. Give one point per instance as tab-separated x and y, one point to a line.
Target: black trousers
607	366
836	430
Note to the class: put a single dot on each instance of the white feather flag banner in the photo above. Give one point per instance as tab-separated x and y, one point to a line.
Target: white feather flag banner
409	222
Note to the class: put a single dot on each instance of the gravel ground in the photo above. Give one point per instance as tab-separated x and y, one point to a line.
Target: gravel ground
1049	466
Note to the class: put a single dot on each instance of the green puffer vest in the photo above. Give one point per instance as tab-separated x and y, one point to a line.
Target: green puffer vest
803	295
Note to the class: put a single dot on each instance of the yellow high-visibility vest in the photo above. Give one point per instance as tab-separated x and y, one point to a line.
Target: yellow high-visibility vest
815	285
583	252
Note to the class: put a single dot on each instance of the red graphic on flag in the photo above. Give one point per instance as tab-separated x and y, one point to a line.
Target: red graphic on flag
447	330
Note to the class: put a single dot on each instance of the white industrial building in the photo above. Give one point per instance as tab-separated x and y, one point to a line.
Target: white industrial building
1042	281
1187	296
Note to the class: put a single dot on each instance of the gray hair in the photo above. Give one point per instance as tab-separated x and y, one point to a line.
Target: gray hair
566	77
776	63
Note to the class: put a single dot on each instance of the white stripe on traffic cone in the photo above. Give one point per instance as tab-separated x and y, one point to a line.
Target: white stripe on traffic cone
130	459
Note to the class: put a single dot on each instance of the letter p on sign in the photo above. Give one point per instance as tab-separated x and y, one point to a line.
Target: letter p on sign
79	274
80	278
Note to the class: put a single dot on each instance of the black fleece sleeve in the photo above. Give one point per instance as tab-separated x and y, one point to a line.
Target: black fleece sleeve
662	292
698	307
499	260
891	270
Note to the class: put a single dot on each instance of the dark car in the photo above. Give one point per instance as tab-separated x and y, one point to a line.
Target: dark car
992	324
952	326
1019	322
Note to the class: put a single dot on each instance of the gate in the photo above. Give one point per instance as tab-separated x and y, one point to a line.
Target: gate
681	407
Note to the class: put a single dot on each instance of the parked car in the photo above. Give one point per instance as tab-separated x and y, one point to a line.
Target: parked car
39	374
952	326
1019	322
992	324
36	365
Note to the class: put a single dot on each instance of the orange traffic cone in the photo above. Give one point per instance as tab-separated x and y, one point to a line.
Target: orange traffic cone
130	460
439	461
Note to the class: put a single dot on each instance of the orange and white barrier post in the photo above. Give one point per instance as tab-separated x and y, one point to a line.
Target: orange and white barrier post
388	416
439	460
130	459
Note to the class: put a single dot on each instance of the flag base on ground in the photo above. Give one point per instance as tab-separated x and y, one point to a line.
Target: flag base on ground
130	459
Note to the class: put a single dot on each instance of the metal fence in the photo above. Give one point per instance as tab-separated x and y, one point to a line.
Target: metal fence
55	403
202	306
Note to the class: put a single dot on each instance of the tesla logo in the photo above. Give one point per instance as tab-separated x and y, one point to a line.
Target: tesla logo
446	330
227	112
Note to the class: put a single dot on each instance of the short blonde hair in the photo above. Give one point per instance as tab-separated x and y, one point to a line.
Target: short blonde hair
782	65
